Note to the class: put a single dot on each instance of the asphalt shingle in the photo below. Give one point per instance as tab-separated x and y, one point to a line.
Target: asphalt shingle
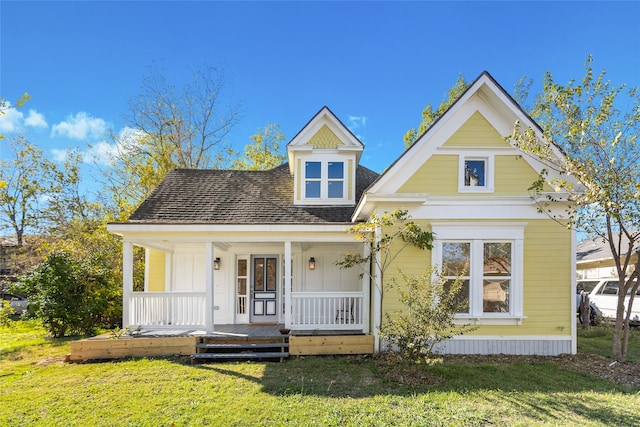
238	197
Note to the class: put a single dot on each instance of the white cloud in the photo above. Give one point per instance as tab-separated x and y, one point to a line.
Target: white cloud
80	126
357	122
100	153
103	152
10	120
59	155
36	120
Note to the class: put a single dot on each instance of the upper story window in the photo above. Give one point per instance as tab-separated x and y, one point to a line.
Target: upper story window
324	180
475	174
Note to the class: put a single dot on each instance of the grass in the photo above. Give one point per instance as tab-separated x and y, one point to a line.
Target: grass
37	389
597	340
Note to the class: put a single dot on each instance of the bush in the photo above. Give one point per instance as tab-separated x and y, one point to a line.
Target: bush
431	304
6	311
72	296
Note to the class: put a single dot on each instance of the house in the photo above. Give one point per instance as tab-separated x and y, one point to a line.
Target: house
227	247
594	259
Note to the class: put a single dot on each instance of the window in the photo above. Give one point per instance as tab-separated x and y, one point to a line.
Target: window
324	180
490	269
313	179
476	174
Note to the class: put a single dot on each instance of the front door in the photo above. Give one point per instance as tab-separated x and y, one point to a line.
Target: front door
264	289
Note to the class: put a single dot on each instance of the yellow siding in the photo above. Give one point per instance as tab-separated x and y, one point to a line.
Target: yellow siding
155	270
324	138
298	178
546	290
476	132
514	176
438	176
350	184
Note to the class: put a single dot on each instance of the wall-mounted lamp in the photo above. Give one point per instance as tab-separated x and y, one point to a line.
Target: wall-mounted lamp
216	264
312	263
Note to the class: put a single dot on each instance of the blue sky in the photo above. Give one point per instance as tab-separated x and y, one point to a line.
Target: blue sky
376	65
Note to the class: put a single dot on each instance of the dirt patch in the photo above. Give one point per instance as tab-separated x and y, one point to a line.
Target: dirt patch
52	360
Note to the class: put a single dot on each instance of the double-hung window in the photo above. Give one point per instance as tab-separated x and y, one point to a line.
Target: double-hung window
488	260
324	180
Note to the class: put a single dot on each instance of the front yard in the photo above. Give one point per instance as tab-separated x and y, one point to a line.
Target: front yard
38	388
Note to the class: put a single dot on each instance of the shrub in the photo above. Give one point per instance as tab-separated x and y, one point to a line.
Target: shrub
431	303
6	311
72	296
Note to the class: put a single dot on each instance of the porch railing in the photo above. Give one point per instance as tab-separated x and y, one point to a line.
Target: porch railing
167	309
327	310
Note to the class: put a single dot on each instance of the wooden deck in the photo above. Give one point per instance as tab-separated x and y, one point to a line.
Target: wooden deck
172	342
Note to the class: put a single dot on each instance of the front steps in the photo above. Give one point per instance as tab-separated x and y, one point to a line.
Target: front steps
213	348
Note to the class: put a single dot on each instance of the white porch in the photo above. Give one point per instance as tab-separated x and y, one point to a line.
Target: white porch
202	284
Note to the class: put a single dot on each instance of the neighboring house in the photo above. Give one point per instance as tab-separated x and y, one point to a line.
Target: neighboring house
256	247
594	259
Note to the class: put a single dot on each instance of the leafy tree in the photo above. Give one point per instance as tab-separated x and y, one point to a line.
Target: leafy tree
4	107
600	142
429	116
169	127
71	295
263	152
431	303
386	235
27	179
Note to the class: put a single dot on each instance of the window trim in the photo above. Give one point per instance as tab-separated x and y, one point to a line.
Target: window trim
488	186
477	235
324	181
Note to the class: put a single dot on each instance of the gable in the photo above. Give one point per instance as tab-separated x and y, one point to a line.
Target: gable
323	159
324	138
475	139
463	156
476	132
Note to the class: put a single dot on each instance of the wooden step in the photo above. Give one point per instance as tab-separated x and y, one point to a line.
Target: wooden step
247	345
223	356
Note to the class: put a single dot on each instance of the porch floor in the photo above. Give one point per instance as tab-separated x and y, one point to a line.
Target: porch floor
238	331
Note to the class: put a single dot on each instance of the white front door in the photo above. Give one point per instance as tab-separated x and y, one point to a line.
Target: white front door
264	289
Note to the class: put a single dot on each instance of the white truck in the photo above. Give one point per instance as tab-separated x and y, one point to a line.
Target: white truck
603	293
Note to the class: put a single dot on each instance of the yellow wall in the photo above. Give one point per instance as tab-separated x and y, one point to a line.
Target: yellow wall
476	132
439	175
546	276
155	270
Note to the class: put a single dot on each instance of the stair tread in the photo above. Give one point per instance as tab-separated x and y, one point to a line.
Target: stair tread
264	355
242	345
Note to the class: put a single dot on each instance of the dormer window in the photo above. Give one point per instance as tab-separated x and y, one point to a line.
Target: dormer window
475	174
324	180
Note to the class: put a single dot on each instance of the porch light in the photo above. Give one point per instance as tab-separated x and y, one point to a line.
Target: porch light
216	263
312	263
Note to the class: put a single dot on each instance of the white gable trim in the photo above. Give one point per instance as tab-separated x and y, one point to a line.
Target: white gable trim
484	96
324	117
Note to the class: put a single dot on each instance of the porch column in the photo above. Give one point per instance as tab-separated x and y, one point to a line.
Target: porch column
377	295
127	281
287	284
209	282
366	294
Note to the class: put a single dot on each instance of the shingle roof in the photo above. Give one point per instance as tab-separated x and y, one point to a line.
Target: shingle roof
238	197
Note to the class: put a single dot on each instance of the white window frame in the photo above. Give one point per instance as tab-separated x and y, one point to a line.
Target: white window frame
488	186
478	234
324	181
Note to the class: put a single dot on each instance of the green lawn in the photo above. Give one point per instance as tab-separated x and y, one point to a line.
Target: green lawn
36	388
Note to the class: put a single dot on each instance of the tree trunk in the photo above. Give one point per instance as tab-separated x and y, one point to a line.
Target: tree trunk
585	310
